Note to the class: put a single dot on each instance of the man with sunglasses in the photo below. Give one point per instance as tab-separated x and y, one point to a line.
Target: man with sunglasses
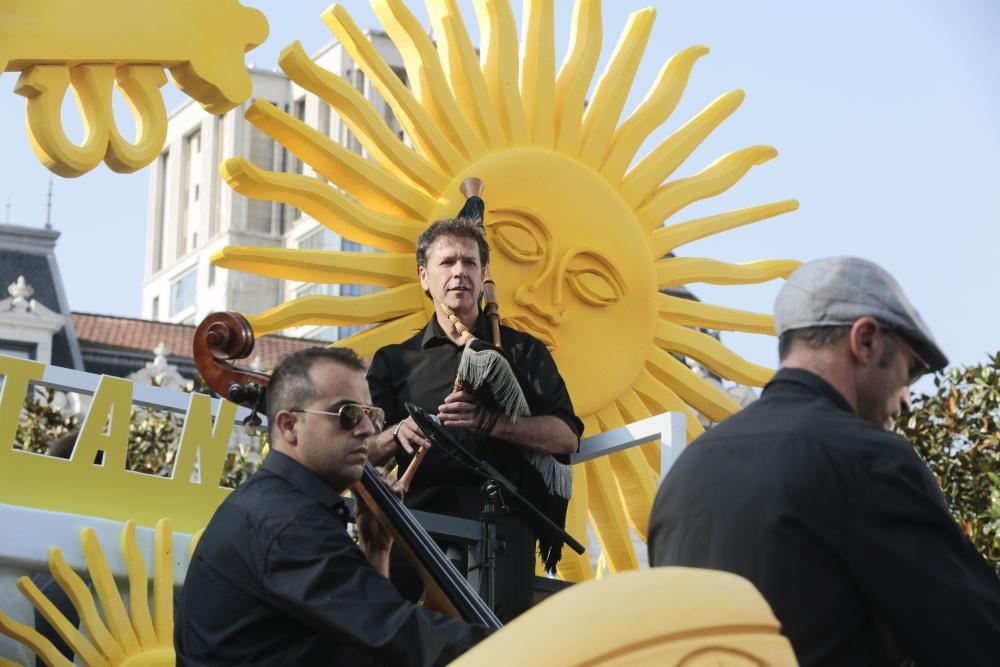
276	579
833	517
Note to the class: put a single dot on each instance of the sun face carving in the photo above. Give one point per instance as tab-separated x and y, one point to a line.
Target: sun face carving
565	267
582	230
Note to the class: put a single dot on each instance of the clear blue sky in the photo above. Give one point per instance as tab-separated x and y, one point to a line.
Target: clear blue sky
886	116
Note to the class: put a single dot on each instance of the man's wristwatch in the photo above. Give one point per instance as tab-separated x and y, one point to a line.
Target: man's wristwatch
395	435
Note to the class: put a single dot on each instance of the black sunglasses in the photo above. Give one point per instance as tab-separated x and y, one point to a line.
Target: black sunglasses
351	415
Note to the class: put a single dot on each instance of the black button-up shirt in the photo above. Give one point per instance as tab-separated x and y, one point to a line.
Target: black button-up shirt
422	371
839	524
276	580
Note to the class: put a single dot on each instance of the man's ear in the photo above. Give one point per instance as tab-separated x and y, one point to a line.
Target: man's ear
863	339
422	275
285	421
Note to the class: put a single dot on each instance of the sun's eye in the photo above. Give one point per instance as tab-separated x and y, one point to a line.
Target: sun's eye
594	279
519	235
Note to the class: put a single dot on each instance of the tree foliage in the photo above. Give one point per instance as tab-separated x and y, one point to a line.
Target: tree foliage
956	430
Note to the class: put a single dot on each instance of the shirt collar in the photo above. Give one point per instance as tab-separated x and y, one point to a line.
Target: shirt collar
433	334
303	479
811	381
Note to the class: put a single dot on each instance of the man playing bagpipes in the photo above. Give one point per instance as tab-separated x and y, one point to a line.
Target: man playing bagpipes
452	260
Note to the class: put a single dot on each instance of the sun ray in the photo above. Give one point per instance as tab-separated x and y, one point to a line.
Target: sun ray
77	592
657	166
573	566
461	66
697	314
675	271
613	88
34	640
538	63
575	74
694	390
69	633
712	354
498	60
667	238
428	138
661	398
367	342
636	481
104	585
138	576
320	266
362	179
606	511
325	204
651	113
713	180
426	77
633	409
340	310
362	120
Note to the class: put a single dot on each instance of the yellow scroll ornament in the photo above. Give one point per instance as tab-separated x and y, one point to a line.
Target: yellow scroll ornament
94	45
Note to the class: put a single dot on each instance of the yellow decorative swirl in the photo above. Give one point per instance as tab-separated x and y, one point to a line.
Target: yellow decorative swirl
91	45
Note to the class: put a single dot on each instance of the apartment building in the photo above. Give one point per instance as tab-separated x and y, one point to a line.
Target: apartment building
192	213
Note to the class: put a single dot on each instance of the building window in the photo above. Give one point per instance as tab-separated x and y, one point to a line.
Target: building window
311	289
344	332
183	292
211	274
161	202
214	213
18	348
328	334
155	309
350	290
313	241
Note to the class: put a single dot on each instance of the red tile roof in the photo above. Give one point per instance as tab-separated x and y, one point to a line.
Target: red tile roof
144	335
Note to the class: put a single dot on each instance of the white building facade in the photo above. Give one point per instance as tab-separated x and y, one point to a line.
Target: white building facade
192	213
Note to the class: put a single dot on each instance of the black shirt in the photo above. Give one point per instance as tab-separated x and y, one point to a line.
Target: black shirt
276	580
839	524
422	371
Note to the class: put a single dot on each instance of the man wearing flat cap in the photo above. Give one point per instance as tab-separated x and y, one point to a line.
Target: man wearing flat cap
834	518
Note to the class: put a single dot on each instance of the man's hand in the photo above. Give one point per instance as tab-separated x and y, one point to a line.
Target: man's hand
461	410
372	537
411	438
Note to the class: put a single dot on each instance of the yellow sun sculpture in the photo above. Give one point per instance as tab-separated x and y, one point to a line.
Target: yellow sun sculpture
582	231
114	636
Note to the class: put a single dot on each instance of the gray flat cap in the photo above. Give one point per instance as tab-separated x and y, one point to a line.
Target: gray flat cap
837	291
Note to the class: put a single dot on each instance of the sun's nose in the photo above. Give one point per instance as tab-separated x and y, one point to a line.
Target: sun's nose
527	296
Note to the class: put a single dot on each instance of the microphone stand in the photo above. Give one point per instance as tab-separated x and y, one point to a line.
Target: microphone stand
495	486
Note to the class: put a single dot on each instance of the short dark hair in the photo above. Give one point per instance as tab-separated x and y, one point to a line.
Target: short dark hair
463	228
290	384
813	337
